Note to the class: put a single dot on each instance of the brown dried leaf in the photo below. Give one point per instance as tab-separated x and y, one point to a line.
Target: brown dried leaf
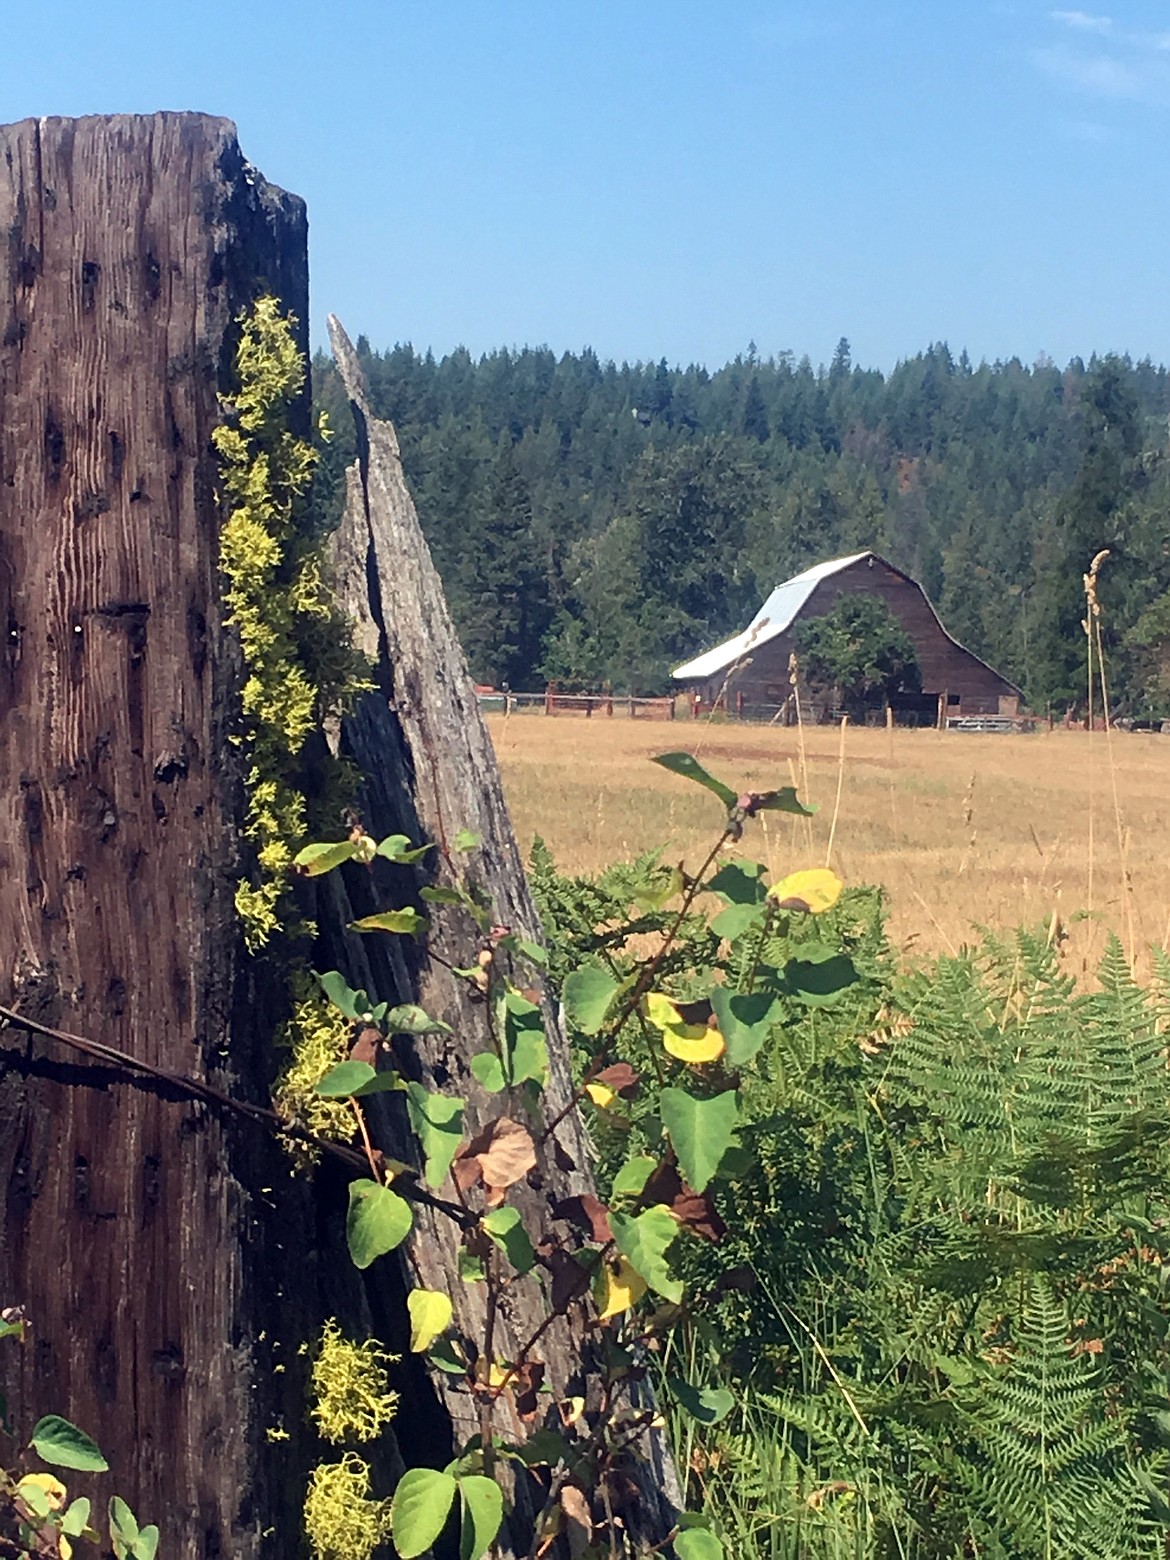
664	1185
466	1170
367	1047
588	1213
578	1519
619	1077
505	1151
699	1213
569	1279
526	1384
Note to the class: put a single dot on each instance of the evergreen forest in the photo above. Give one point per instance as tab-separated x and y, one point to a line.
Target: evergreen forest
597	523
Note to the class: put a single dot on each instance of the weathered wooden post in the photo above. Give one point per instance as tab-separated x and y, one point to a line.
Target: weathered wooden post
173	1269
131	1231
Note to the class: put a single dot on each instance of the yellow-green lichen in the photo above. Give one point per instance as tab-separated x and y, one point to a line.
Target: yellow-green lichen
299	663
318	1036
351	1387
341	1521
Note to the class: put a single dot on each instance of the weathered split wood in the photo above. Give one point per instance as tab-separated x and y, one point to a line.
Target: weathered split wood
430	770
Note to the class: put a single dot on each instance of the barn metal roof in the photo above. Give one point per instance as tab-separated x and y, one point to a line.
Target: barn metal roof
777	613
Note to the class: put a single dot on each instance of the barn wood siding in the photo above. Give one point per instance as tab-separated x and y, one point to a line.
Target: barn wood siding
946	666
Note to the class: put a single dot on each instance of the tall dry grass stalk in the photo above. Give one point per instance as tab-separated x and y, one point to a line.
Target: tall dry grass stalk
1093	631
837	799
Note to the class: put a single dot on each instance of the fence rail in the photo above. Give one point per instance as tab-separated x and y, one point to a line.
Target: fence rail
685	706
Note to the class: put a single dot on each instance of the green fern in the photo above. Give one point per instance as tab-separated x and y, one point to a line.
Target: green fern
1049	1470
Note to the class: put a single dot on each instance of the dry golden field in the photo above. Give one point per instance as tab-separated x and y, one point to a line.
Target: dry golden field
960	828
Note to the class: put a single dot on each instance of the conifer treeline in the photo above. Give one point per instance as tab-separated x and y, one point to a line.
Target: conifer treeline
594	523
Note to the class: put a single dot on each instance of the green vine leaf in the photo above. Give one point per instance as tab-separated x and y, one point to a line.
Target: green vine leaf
354	1004
630	1181
489	1070
819	978
345	1079
430	1314
56	1441
745	1021
587	995
419	1510
481	1515
688	766
527	949
526	1050
75	1518
130	1542
644	1240
739	882
507	1231
698	1544
706	1404
437	1120
734	920
701	1131
317	859
378	1221
397	847
408	922
409	1019
785	800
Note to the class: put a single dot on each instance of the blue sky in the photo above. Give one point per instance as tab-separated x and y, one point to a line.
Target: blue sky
657	179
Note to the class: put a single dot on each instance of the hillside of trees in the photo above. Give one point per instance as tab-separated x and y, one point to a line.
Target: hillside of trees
596	523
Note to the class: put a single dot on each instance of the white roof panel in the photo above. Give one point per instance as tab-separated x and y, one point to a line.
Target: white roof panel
773	618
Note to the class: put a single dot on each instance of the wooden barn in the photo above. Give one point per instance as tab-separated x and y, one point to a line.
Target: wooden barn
752	668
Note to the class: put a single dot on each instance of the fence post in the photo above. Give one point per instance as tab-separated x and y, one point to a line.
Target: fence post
548	700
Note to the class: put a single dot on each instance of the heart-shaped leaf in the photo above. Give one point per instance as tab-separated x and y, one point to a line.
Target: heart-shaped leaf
437	1120
418	1512
706	1404
481	1513
506	1229
587	995
701	1130
644	1240
407	923
345	1079
430	1314
377	1222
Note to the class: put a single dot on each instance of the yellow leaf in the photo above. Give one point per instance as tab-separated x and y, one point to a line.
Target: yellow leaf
602	1097
430	1314
64	1547
622	1289
571	1410
495	1374
694	1043
662	1011
815	890
51	1487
